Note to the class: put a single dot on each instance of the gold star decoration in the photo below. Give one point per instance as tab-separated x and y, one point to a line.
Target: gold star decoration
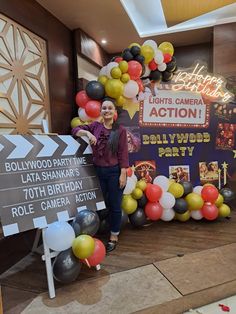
224	165
131	106
234	151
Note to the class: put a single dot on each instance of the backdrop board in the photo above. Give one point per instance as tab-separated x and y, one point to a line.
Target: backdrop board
45	179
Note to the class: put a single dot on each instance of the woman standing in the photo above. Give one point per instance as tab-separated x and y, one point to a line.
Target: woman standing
110	157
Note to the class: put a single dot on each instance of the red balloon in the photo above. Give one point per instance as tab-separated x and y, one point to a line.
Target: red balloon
81	98
118	59
152	65
209	193
98	255
129	172
153	210
209	211
134	69
140	85
167	57
93	108
153	192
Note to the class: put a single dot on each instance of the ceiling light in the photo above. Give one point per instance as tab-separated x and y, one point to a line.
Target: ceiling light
103	41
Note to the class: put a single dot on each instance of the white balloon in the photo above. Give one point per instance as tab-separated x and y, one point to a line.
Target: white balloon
167	200
131	89
103	71
159	58
196	214
83	115
168	214
163	182
130	186
109	67
161	67
134	177
198	189
150	43
59	236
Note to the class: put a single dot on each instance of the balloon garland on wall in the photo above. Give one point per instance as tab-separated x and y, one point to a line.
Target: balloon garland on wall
122	78
142	202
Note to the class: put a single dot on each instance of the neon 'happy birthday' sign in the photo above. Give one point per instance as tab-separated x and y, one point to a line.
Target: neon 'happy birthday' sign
201	82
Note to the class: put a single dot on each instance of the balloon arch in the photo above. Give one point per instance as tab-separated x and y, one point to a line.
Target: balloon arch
121	79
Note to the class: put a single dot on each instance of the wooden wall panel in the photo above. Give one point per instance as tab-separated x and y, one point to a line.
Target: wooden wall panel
31	15
224	51
187	55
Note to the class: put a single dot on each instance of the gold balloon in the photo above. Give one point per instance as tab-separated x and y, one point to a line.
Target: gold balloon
116	72
123	65
166	47
125	78
120	101
134	44
219	201
129	205
102	79
137	193
148	53
183	217
114	88
224	210
83	246
141	184
195	201
176	189
76	122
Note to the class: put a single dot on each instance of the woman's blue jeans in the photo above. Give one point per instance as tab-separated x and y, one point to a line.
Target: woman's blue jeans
110	185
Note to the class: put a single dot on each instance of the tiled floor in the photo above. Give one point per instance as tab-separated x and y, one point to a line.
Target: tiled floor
215	308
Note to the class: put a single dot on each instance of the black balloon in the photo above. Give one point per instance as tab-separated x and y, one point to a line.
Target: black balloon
127	55
173	59
140	59
142	201
188	187
166	76
66	267
88	221
181	206
138	218
155	76
170	67
135	50
228	194
95	90
76	226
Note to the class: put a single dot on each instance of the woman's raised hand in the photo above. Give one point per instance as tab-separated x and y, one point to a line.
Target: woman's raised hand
92	139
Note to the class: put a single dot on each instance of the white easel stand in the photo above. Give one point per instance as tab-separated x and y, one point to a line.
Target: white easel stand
46	257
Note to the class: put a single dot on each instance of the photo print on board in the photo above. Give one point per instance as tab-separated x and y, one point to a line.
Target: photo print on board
134	139
146	170
179	173
225	111
225	136
208	171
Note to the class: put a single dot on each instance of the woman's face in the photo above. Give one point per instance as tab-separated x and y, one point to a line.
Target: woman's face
108	109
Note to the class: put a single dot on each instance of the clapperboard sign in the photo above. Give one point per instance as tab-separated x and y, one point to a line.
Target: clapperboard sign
45	179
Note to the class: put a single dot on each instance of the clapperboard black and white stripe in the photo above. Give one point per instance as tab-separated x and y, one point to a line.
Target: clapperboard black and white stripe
44	179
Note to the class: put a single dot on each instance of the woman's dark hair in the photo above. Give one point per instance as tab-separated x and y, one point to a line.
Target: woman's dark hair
113	141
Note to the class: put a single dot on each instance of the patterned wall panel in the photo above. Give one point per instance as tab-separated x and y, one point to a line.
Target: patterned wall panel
24	94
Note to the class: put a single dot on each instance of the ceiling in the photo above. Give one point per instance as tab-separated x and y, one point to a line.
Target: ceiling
121	22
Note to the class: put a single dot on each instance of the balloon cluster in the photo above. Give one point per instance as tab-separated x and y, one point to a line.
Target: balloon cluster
122	78
75	244
168	200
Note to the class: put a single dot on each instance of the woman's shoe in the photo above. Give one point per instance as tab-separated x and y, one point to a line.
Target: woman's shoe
111	245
